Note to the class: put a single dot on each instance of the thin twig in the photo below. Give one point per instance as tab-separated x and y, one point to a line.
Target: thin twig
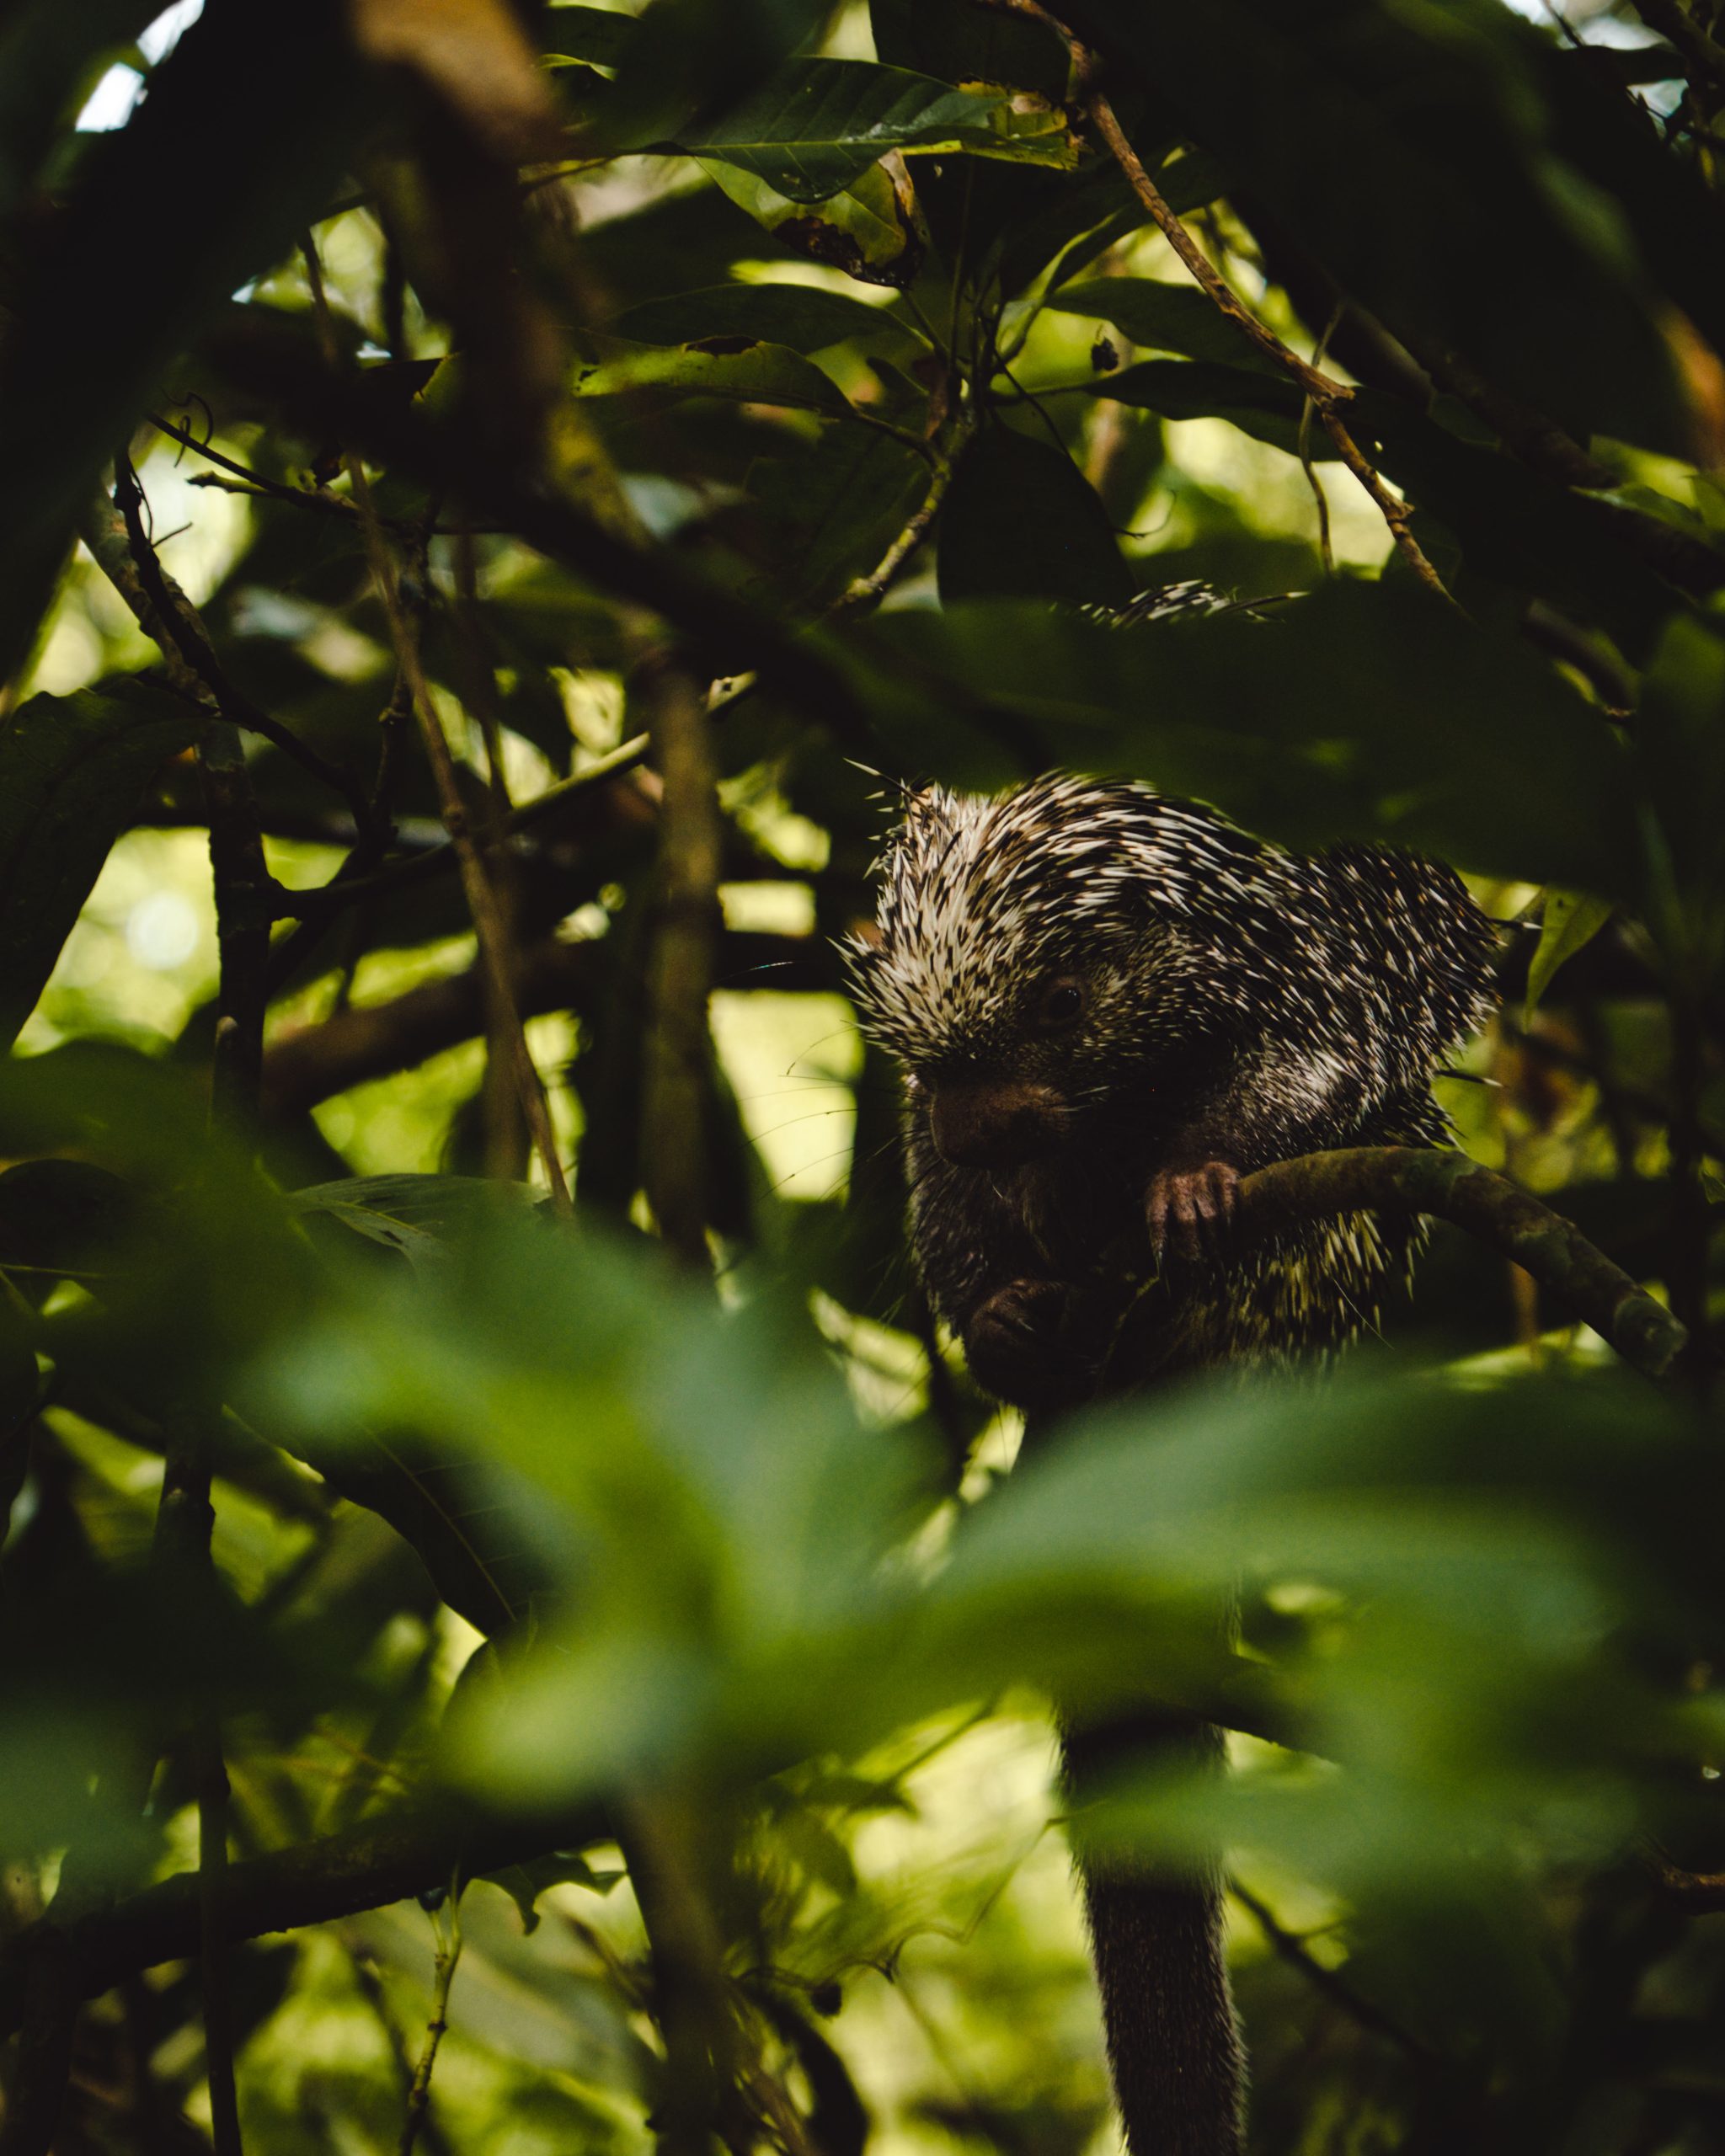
869	590
173	611
445	1955
256	483
1329	398
488	924
1295	1950
402	875
1326	553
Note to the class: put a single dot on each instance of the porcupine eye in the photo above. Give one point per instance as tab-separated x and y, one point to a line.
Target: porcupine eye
1060	1004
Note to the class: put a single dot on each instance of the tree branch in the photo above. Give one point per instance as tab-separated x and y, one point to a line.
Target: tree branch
1328	396
490	924
273	361
171	611
1450	1186
678	1049
385	1858
1334	1987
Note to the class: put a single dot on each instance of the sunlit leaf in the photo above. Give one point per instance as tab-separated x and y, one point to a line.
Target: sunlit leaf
745	369
814	129
1569	922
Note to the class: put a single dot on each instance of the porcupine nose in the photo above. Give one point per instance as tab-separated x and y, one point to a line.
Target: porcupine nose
993	1123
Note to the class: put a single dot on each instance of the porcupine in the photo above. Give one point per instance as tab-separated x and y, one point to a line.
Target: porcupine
1109	1006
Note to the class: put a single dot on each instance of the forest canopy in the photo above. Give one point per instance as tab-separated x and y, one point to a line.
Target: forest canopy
519	1632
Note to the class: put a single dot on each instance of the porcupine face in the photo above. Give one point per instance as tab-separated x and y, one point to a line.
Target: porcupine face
1034	955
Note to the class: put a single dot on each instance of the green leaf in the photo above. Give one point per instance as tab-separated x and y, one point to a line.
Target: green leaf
1410	147
1361	711
415	1214
697	57
966	44
1020	518
524	1883
1513	527
1266	406
872	230
832	511
812	128
72	770
801	317
1570	921
1163	318
741	368
596	35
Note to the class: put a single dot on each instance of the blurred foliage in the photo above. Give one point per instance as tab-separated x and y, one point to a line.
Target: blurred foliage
683	1624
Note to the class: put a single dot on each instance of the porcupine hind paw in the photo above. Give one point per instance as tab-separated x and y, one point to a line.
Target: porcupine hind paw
1190	1211
1016	1346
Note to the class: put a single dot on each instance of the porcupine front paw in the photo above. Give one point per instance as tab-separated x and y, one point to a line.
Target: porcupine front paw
1016	1346
1190	1211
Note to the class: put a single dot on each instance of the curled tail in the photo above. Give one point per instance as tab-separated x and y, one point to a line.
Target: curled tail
1156	1932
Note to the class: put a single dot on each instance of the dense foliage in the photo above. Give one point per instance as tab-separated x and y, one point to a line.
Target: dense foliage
496	496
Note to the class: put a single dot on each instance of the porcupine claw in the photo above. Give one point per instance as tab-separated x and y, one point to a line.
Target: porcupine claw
1189	1210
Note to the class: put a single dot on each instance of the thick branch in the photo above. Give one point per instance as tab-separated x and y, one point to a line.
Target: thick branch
1450	1186
383	1859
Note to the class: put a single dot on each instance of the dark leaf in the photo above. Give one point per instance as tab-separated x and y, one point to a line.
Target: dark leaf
1363	711
1411	148
742	368
1021	518
813	128
801	317
1163	318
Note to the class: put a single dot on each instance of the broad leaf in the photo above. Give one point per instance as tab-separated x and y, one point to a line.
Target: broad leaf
1408	147
1570	922
1021	518
1363	711
872	229
832	512
1163	318
801	317
1266	406
812	128
742	368
596	35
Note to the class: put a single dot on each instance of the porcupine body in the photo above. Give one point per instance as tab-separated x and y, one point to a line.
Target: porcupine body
1109	1006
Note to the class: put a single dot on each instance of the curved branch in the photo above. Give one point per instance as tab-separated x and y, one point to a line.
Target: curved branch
1450	1186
